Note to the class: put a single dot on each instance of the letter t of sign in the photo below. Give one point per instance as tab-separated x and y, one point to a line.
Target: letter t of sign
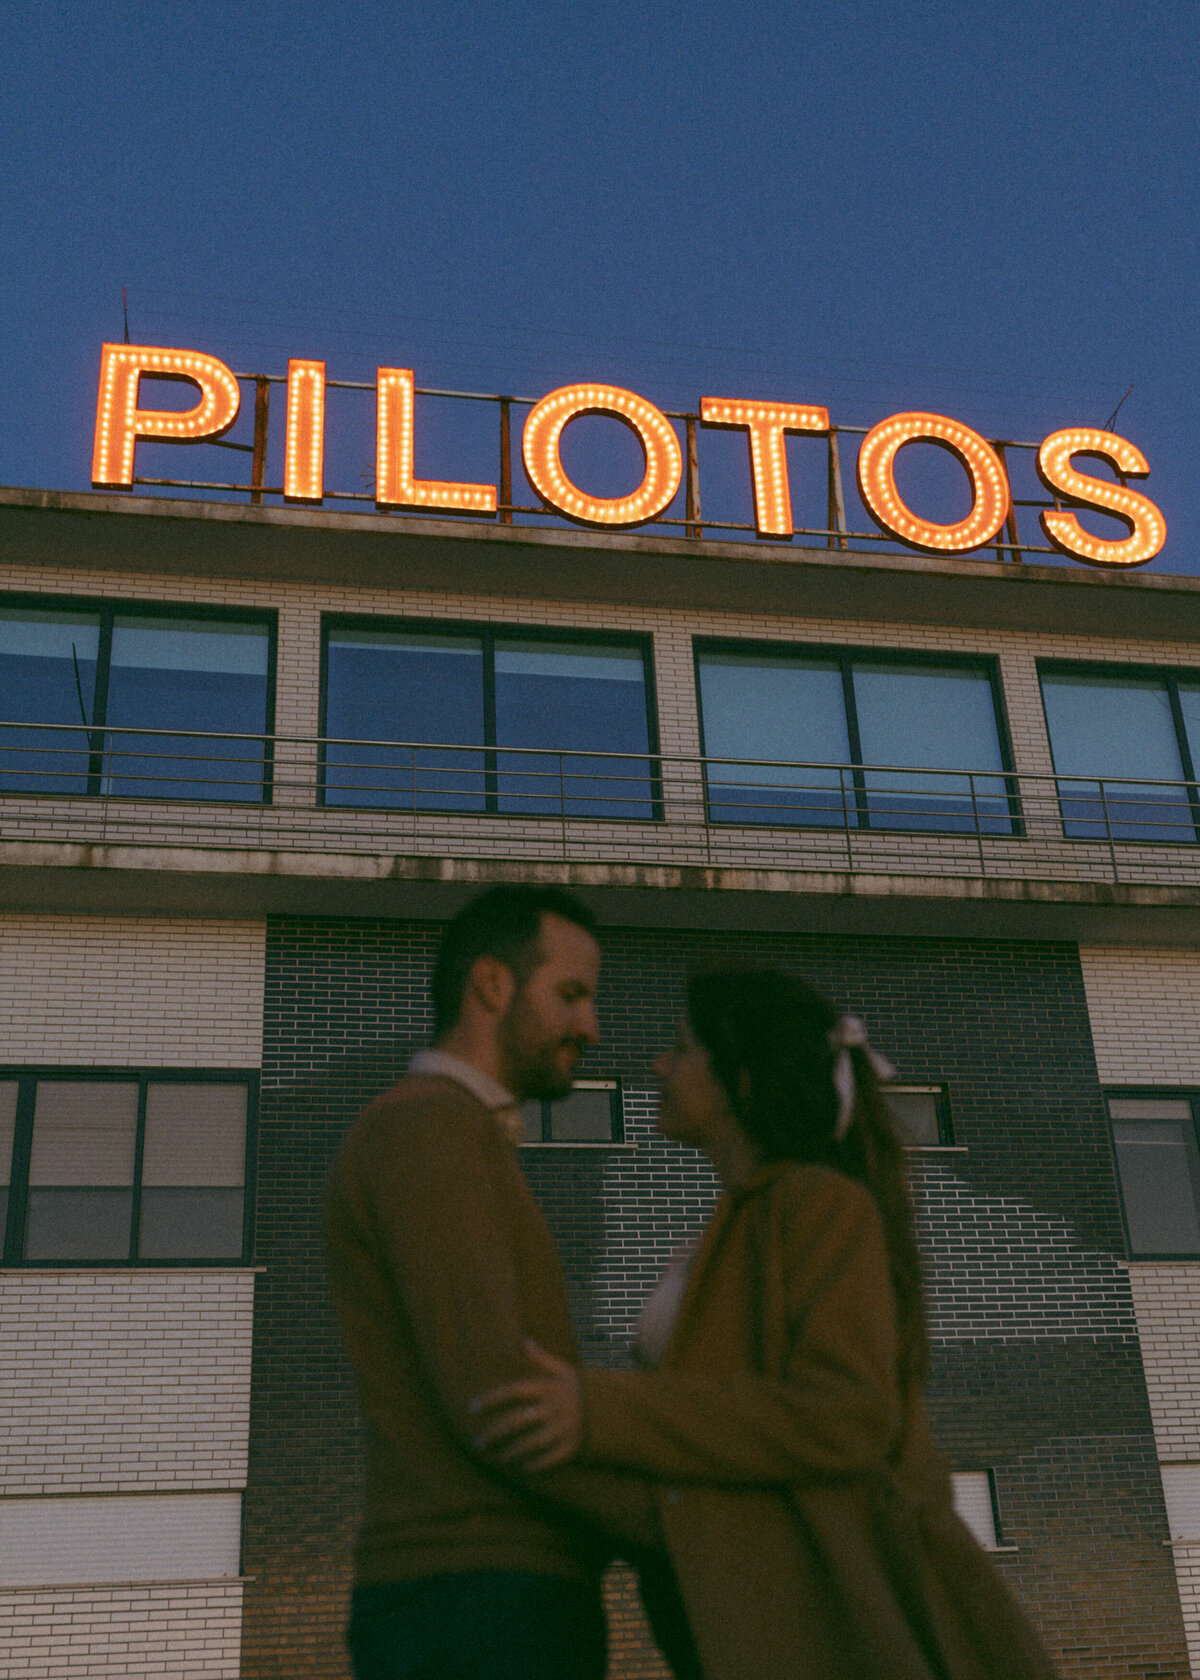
767	425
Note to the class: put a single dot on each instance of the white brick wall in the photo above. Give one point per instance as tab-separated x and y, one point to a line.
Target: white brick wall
1166	1299
124	1381
190	1630
1144	1007
1187	1574
130	990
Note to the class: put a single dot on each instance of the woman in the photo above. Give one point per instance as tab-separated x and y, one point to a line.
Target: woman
807	1519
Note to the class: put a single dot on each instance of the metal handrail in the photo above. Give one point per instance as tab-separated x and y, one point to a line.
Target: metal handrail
297	791
1009	547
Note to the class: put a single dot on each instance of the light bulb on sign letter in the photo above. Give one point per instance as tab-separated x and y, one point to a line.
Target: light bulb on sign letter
1147	527
540	450
767	424
395	485
120	422
304	447
990	501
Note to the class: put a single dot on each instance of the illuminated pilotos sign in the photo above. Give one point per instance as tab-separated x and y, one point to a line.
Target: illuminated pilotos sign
120	423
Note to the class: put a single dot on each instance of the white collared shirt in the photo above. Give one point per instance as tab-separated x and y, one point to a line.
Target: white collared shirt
489	1091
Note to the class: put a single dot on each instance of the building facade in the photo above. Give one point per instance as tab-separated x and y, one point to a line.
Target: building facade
252	758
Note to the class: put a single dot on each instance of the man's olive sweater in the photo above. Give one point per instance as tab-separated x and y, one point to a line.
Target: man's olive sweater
441	1264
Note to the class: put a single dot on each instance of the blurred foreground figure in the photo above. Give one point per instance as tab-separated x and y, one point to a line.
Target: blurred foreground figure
442	1268
808	1523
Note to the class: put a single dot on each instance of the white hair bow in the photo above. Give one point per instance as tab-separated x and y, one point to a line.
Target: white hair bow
850	1034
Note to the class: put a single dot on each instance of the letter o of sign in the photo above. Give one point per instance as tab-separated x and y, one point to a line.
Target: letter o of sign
543	461
877	483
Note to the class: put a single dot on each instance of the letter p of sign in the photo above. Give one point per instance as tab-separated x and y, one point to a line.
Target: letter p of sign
120	422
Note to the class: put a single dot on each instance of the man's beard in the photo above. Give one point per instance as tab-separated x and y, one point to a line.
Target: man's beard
531	1066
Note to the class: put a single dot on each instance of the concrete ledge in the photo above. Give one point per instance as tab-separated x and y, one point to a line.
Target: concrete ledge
165	534
70	879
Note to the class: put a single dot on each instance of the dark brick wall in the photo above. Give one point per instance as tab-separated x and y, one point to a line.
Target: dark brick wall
1036	1374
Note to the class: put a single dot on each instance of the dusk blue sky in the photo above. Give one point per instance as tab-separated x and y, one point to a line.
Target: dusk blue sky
987	211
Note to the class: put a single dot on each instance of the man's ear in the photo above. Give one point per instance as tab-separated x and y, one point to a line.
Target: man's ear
493	983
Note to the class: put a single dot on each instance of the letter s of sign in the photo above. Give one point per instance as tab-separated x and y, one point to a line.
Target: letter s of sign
1146	525
120	422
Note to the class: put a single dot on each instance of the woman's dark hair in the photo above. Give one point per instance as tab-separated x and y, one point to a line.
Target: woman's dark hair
767	1038
503	922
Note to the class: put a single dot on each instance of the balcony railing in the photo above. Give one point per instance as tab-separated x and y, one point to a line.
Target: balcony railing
156	788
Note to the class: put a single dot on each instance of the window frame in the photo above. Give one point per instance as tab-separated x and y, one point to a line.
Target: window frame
945	1117
1149	1093
109	608
845	657
999	1543
616	1113
1170	675
488	633
12	1238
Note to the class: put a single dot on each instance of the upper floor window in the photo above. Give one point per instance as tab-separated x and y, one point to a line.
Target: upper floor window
591	1113
473	719
106	700
812	738
1129	742
922	1115
123	1167
1158	1170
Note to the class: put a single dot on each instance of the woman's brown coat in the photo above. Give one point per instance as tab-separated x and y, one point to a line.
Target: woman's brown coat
807	1514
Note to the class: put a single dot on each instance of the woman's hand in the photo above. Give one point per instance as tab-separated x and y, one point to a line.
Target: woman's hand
535	1423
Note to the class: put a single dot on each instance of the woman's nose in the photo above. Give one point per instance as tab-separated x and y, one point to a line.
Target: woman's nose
658	1066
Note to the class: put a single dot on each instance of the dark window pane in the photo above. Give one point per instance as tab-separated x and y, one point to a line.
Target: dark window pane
81	1170
195	1134
789	713
1159	1167
1189	705
190	1224
47	675
916	1115
84	1132
194	675
531	1118
930	719
1113	727
193	1169
9	1090
564	695
385	685
586	1116
88	1224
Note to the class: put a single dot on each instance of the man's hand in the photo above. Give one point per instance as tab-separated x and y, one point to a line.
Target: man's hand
535	1423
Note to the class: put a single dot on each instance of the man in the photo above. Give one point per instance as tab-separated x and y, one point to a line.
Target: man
442	1268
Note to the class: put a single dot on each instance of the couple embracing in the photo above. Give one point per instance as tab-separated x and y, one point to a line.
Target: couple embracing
767	1468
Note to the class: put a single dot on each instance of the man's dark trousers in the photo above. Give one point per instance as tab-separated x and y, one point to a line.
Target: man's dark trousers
495	1624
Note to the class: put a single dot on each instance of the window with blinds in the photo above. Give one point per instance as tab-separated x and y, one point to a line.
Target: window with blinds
124	1168
1158	1171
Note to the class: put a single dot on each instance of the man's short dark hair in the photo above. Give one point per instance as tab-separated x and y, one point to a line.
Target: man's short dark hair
504	923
